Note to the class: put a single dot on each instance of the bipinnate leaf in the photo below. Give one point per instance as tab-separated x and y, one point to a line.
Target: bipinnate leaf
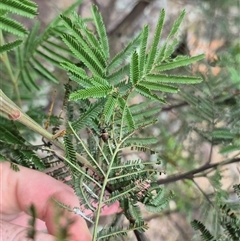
153	50
92	92
173	79
179	61
101	31
10	46
25	8
134	71
159	87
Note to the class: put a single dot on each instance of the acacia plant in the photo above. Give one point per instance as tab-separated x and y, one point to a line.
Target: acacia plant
108	103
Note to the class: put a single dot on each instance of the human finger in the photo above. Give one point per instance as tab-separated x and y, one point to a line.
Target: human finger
26	187
12	232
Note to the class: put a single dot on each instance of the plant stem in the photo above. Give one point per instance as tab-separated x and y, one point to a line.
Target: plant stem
9	110
191	174
102	194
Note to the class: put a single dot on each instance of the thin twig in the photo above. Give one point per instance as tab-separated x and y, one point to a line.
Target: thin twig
204	194
126	23
190	174
169	108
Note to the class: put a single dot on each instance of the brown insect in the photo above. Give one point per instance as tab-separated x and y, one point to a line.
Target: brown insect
104	135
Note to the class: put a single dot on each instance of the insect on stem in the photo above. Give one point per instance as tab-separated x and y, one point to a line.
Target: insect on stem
77	211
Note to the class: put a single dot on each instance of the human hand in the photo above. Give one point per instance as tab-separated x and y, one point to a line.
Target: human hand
19	190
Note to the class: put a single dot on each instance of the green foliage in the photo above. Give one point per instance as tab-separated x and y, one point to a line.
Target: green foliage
237	190
24	8
100	27
32	222
62	232
9	46
229	221
114	101
110	105
34	50
22	151
205	234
